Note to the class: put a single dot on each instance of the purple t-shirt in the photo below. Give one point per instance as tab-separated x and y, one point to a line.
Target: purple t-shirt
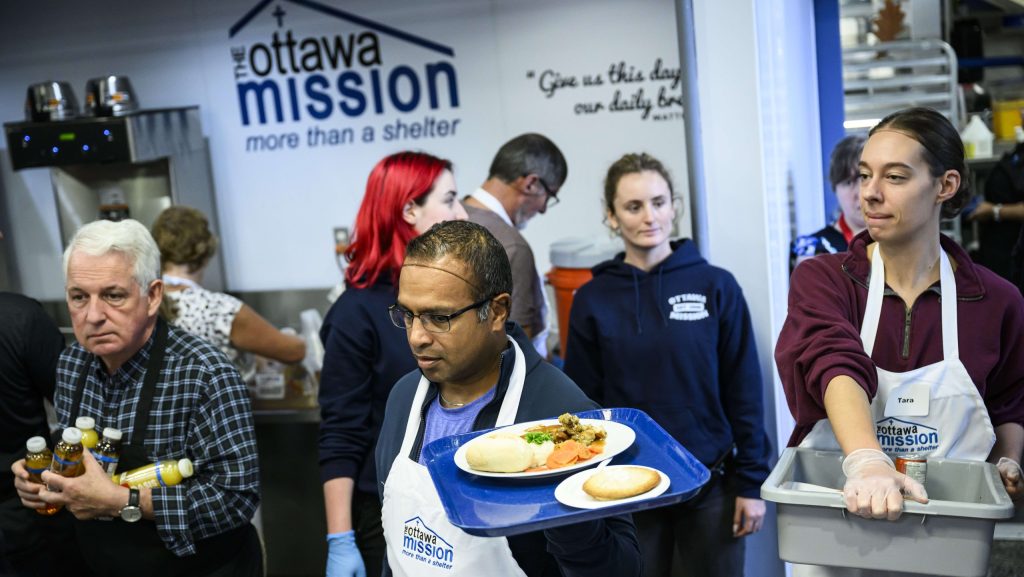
442	422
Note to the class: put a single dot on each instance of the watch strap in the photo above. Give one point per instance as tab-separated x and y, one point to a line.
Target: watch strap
131	512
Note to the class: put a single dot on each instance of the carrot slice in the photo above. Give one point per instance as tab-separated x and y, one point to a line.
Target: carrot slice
583	452
565	454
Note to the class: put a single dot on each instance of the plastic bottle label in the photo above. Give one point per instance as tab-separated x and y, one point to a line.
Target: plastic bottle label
65	462
33	470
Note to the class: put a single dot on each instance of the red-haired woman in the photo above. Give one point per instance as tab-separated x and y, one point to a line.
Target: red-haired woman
365	354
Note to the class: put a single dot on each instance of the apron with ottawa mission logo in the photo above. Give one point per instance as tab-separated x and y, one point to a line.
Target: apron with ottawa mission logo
934	409
420	540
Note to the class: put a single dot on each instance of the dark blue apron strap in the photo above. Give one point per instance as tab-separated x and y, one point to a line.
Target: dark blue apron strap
153	367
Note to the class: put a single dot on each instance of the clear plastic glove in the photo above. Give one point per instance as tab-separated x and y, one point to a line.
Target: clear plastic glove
873	486
1009	471
343	558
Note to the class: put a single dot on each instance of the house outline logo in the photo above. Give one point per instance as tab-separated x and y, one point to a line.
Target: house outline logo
902	436
419	520
423	544
333	84
342	15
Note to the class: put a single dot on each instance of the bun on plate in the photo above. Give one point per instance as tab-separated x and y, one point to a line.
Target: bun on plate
620	483
500	454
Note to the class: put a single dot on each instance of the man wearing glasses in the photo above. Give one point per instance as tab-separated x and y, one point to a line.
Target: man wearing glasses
453	303
524	181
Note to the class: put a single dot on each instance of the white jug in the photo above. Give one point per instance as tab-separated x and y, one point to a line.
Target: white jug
977	138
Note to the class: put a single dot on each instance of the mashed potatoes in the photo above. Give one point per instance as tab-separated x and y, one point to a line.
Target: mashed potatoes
506	453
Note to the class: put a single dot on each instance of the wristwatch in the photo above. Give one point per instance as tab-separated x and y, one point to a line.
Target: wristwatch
996	209
131	512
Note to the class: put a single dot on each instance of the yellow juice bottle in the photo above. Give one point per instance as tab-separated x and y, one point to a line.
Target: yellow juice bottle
37	460
163	474
88	427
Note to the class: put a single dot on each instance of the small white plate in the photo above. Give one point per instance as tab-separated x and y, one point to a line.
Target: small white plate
570	491
619	438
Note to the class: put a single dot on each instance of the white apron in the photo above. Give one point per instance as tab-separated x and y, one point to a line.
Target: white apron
935	409
420	540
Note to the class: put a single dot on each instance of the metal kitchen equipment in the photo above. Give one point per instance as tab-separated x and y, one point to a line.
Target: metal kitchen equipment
128	166
50	101
110	96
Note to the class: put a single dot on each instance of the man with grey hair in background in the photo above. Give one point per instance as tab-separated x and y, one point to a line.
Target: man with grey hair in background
525	177
173	396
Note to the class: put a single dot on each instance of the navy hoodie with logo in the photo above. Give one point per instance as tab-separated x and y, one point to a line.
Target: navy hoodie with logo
677	343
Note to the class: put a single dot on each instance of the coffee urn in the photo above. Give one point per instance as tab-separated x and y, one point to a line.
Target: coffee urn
130	164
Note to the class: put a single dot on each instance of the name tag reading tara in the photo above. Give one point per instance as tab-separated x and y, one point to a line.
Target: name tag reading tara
910	400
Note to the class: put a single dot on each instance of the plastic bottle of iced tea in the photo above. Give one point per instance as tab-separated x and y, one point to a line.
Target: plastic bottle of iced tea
67	455
88	427
162	474
37	460
108	451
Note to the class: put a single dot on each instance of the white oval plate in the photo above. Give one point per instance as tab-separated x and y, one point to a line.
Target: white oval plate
619	438
570	491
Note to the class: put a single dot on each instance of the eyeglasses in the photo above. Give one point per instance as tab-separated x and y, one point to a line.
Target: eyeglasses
550	198
432	322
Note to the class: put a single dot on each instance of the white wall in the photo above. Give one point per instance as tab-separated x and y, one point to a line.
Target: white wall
760	146
277	209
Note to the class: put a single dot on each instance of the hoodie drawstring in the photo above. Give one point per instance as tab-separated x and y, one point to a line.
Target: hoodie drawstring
661	311
636	294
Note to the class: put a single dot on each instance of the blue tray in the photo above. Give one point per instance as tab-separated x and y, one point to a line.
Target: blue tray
492	507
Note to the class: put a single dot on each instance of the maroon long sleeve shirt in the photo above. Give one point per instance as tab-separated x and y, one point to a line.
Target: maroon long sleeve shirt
820	339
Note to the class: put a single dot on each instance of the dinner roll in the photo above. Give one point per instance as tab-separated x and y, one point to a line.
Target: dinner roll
621	482
499	454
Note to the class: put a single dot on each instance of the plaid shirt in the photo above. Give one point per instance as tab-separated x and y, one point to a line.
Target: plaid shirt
200	410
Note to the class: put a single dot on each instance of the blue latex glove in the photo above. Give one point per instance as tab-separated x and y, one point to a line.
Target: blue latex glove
343	558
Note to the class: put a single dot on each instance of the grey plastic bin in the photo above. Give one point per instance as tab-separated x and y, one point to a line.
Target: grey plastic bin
950	535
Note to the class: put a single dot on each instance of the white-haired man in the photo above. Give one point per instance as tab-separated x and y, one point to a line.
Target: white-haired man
173	396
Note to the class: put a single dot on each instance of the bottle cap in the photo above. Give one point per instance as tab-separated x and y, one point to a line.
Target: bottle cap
185	468
112	433
85	423
72	436
35	445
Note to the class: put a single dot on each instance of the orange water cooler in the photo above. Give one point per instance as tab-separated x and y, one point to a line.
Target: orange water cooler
571	261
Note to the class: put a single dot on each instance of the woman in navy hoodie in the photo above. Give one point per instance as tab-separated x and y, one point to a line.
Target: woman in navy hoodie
660	329
364	354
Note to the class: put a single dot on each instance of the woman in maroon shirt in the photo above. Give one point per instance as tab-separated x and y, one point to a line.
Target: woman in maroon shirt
873	361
